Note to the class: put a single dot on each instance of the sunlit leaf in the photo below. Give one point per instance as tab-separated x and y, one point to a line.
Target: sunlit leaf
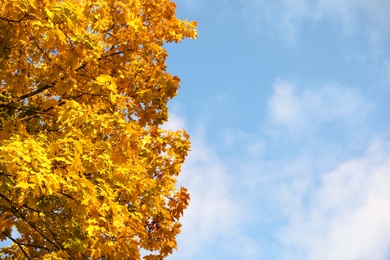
85	170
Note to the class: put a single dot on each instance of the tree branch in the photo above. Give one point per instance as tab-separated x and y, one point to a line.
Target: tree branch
15	210
5	174
38	231
39	47
16	242
28	110
14	21
39	90
67	195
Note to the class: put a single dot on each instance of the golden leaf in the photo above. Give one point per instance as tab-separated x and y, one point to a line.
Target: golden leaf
85	168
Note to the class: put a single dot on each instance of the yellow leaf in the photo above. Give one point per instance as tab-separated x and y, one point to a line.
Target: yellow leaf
23	185
84	90
61	36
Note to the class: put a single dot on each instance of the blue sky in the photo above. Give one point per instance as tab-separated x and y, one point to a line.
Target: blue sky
288	107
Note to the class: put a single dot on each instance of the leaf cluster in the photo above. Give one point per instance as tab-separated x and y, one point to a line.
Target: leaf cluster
86	172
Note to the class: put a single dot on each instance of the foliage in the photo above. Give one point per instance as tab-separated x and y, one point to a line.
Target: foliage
86	172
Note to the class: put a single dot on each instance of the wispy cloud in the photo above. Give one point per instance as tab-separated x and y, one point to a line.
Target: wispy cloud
286	16
321	190
346	216
175	122
215	217
341	214
369	19
306	108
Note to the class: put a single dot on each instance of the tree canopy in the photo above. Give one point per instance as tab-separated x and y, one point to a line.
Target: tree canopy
86	172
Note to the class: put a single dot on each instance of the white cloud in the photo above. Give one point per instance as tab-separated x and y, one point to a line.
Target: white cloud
386	71
248	144
323	206
370	17
284	15
342	214
175	122
357	17
347	216
308	108
284	106
214	216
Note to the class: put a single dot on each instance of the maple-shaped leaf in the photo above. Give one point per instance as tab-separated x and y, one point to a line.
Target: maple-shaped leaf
86	172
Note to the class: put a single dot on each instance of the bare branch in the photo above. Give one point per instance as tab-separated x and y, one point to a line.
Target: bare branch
67	195
39	90
28	110
5	174
38	231
14	21
16	242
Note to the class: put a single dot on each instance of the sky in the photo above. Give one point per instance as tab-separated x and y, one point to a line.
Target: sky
288	106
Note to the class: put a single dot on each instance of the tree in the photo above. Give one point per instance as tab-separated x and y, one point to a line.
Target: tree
86	172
